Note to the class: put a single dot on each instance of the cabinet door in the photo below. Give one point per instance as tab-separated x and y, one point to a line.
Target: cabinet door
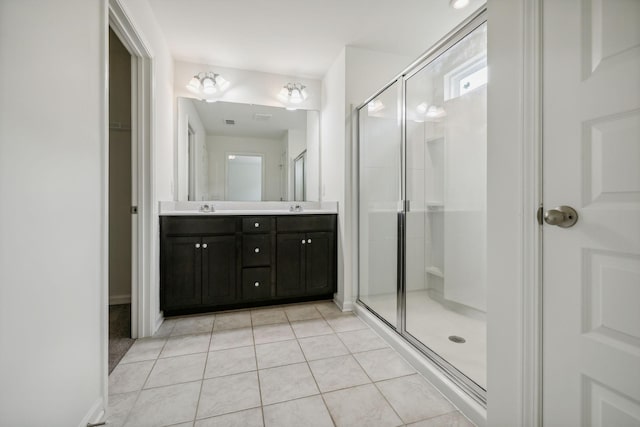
319	263
290	265
219	266
181	286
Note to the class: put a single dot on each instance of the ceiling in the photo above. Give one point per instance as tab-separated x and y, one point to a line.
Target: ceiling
271	122
300	37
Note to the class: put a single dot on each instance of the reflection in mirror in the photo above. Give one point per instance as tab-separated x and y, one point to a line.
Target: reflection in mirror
246	152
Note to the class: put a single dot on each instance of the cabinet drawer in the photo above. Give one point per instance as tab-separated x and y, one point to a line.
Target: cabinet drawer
256	283
189	225
257	224
306	223
256	250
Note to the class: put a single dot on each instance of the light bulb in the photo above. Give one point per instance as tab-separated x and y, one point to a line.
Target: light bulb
284	94
459	4
208	86
296	96
304	93
194	84
422	108
221	82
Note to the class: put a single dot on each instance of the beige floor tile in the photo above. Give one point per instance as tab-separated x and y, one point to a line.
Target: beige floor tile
272	333
129	377
229	394
230	361
286	383
307	412
233	320
364	340
221	340
165	405
144	349
414	399
175	370
247	418
383	364
186	344
361	406
278	354
346	323
452	419
268	316
119	407
322	346
165	329
311	328
302	312
193	325
330	309
338	372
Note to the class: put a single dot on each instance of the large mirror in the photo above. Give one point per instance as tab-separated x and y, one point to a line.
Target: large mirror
246	152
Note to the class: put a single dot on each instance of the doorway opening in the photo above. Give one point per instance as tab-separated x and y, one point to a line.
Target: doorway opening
120	200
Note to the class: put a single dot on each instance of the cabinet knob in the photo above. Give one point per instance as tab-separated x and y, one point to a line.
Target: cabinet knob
256	284
204	245
309	241
197	245
304	241
256	225
256	250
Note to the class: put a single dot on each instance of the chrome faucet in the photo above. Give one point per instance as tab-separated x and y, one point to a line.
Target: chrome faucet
206	208
296	208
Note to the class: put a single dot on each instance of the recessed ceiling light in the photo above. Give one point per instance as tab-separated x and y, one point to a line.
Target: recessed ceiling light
459	4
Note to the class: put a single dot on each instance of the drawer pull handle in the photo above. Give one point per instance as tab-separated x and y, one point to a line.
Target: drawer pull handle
256	284
197	245
256	250
309	241
304	241
256	225
204	246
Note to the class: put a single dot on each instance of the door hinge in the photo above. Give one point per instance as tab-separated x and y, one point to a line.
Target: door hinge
134	209
539	215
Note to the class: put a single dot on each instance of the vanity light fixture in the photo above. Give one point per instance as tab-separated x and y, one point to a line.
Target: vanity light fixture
459	4
431	111
207	84
292	94
375	106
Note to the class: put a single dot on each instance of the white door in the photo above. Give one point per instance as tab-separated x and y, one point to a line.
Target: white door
591	161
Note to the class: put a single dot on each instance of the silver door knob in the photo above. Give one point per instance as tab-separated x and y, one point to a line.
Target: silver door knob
204	246
304	241
256	284
256	225
309	241
562	216
197	245
256	250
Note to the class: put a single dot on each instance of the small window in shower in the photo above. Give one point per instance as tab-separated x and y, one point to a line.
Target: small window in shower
466	77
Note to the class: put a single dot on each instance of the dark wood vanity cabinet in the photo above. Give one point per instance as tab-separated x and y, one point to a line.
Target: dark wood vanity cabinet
212	263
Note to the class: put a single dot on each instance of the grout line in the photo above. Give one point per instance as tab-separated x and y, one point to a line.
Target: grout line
255	357
319	391
204	370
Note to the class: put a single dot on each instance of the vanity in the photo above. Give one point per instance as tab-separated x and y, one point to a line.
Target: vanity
258	254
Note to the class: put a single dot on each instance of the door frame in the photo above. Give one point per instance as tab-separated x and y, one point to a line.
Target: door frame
142	170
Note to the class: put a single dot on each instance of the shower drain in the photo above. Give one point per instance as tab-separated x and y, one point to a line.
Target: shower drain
456	339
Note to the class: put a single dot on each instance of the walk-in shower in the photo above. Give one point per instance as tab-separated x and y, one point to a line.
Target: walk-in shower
422	156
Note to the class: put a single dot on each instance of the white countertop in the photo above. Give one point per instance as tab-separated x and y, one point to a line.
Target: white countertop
246	208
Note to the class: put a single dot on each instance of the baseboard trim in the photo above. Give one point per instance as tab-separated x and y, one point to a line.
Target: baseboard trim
465	403
95	413
343	305
159	320
119	299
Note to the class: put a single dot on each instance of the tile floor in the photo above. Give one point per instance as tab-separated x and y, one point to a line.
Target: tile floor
302	365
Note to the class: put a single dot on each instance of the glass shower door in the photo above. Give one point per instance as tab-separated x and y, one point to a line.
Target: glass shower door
446	144
379	203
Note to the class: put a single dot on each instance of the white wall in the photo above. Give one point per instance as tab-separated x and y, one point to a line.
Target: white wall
250	87
53	296
271	150
162	159
188	117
